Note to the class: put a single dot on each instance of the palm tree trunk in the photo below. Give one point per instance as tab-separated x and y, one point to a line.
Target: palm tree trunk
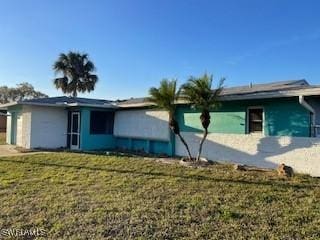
74	94
186	146
205	134
174	126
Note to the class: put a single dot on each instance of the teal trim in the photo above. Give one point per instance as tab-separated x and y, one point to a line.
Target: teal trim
282	117
13	130
93	141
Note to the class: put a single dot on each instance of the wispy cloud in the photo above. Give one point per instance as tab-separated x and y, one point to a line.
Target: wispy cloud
313	36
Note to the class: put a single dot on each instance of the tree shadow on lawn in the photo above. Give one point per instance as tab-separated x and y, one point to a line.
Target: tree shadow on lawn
161	174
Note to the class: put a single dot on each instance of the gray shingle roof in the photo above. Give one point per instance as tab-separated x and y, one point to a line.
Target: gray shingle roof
67	100
132	101
266	87
252	91
238	91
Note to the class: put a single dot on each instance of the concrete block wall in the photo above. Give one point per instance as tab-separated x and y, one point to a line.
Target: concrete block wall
143	130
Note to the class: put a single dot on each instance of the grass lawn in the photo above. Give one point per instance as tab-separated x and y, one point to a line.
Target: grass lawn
81	196
2	138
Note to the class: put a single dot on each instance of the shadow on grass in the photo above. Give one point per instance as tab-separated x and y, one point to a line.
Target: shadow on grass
161	174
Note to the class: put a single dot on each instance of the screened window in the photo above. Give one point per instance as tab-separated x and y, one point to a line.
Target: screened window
101	122
255	120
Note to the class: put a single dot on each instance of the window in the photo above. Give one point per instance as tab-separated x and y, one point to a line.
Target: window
101	122
255	120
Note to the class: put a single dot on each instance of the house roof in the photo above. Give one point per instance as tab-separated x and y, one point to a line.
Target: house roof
253	91
68	100
65	102
266	87
134	102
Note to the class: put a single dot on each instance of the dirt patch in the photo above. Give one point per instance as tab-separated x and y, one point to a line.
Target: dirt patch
10	150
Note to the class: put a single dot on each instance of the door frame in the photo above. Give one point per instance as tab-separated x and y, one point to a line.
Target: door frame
75	147
13	130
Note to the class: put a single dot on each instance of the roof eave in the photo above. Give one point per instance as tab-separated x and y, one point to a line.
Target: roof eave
63	105
6	105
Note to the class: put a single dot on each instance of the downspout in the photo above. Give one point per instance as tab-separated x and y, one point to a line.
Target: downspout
307	106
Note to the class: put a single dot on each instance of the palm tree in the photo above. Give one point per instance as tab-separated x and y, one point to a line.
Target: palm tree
77	73
165	97
199	92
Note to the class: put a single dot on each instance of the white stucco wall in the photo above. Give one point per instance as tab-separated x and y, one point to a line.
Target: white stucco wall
20	130
8	134
302	154
149	124
26	128
23	129
48	127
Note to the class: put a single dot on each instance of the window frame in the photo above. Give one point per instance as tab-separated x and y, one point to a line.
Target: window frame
102	133
248	121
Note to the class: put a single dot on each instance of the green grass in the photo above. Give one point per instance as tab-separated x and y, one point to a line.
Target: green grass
2	138
81	196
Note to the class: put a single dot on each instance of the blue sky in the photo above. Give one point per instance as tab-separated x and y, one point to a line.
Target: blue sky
134	44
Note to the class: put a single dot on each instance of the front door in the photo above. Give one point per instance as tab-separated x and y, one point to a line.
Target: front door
75	131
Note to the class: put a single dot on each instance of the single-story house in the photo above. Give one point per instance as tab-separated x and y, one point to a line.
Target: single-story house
261	124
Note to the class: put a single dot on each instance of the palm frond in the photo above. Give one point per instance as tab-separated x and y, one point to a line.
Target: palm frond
165	96
199	92
77	73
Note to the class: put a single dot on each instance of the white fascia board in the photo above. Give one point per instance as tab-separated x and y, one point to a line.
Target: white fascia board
145	104
63	105
6	105
91	105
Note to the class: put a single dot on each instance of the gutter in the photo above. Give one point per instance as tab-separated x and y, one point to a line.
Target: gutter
307	106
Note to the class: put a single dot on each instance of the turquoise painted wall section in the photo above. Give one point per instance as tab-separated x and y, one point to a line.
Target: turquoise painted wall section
93	141
140	145
145	145
230	118
283	117
286	118
160	147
